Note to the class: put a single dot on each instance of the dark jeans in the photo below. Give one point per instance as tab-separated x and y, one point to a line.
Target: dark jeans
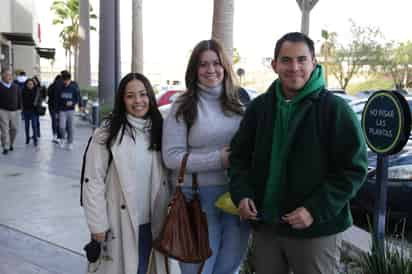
55	123
38	125
145	246
31	117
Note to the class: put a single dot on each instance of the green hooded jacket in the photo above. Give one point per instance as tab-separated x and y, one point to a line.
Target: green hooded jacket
304	172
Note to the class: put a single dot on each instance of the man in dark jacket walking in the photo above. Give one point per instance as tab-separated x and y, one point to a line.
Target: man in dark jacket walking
53	90
10	110
292	183
66	100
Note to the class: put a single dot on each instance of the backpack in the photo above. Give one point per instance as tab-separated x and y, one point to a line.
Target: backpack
84	166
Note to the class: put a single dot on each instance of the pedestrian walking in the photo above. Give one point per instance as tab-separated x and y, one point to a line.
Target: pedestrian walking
10	110
52	92
292	182
30	98
67	99
41	96
125	193
202	121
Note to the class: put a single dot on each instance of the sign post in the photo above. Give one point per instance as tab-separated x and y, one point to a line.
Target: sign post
386	124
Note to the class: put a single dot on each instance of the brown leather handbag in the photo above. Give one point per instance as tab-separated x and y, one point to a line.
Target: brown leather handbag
184	235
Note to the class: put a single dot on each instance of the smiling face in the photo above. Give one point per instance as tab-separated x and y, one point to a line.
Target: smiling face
210	72
294	65
136	99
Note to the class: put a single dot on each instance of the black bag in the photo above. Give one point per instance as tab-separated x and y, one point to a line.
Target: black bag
93	250
40	110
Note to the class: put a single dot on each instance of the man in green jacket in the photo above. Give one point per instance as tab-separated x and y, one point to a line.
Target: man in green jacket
292	174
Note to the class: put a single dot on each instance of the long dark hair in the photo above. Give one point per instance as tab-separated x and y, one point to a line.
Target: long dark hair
229	98
26	82
117	120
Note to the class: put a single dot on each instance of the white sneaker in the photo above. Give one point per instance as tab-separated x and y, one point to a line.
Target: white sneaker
61	144
55	140
69	147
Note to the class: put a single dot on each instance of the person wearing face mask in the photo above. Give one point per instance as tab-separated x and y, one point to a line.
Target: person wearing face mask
201	122
125	192
29	95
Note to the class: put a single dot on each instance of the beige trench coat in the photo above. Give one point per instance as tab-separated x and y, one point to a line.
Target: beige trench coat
110	203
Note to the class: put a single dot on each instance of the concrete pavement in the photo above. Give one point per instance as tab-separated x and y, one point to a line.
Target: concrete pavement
42	227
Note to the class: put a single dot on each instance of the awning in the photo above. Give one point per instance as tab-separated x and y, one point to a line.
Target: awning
23	39
47	53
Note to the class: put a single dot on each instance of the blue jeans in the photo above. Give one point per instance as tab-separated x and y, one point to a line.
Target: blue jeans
31	117
145	247
228	236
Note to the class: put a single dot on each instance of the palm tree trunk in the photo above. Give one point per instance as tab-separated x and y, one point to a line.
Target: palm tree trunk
109	53
76	63
84	44
70	60
222	28
137	36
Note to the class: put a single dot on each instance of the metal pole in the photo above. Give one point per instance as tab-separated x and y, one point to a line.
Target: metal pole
83	68
380	203
117	54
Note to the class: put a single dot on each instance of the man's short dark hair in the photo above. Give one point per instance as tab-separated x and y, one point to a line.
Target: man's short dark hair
22	73
295	37
66	75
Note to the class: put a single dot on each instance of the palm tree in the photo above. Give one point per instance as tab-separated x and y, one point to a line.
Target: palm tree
222	27
137	36
67	13
326	50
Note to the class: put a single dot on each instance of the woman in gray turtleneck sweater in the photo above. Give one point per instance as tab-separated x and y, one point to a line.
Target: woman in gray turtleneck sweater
202	122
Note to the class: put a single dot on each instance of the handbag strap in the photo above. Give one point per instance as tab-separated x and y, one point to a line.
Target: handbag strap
182	171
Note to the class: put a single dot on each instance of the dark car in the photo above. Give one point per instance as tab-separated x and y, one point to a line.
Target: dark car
399	191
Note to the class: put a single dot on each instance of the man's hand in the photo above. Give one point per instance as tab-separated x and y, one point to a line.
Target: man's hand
247	209
299	218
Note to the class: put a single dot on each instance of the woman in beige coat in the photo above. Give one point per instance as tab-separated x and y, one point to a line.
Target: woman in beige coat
125	192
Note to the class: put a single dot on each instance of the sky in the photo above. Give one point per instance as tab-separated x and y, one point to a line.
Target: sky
171	28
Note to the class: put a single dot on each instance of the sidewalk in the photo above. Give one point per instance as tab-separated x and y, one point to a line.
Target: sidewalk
42	228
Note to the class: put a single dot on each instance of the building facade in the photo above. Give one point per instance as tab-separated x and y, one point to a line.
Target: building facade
19	35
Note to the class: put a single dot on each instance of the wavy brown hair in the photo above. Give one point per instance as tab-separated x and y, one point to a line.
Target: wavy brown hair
229	98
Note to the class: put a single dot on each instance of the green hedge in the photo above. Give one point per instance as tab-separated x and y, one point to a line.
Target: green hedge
90	92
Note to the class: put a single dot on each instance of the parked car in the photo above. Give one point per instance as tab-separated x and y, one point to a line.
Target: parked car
359	105
168	97
346	97
399	191
337	90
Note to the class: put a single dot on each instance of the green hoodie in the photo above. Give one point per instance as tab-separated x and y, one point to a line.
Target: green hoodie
285	111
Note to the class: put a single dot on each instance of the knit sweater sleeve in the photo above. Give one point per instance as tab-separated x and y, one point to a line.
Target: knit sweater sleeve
174	146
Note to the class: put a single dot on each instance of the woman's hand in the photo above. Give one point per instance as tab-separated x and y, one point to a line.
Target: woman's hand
224	155
100	237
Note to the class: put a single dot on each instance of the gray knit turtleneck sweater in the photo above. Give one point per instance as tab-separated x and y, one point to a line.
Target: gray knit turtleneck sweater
211	131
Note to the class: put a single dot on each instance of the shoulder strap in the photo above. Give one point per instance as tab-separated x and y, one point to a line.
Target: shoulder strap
325	120
84	166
